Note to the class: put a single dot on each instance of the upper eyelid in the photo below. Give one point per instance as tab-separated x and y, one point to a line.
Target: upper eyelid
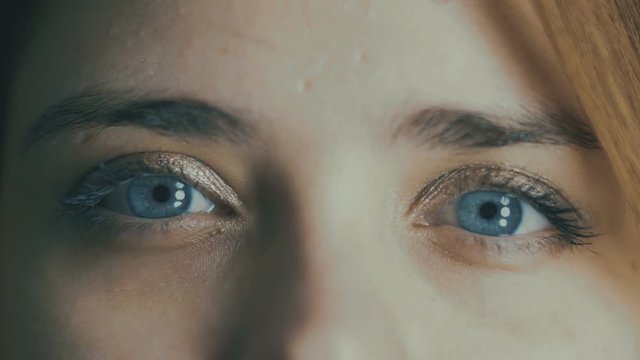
488	173
107	176
572	222
530	186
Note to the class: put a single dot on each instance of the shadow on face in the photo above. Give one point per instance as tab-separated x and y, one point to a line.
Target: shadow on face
302	180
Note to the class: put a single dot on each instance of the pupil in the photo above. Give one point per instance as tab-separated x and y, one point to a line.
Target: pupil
161	194
488	211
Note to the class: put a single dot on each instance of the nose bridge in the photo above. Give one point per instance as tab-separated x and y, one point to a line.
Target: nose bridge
312	278
343	241
265	295
343	221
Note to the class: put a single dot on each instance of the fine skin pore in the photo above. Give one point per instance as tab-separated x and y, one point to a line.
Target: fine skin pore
323	242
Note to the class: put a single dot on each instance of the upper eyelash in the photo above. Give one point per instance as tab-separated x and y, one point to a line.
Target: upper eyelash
98	184
89	193
571	228
109	175
545	198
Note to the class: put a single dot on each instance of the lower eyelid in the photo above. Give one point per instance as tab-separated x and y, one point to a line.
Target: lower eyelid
505	252
109	229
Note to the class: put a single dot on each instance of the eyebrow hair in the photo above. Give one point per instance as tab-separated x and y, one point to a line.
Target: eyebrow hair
470	129
187	117
167	116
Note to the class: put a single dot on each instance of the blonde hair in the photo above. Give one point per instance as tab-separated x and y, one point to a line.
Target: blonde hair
597	43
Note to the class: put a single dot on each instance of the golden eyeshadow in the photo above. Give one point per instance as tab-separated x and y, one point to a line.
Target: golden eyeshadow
112	173
568	222
84	202
484	176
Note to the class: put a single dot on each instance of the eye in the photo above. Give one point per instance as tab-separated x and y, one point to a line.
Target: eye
496	216
155	200
494	213
156	196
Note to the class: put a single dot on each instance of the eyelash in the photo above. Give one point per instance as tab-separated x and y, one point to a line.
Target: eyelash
82	202
569	226
567	220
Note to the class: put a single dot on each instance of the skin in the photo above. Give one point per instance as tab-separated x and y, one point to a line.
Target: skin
343	274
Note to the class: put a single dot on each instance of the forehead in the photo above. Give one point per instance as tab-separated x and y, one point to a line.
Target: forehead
304	62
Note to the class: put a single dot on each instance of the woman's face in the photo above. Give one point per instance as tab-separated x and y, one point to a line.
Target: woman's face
348	179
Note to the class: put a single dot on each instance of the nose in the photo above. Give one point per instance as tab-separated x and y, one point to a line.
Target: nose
316	288
344	245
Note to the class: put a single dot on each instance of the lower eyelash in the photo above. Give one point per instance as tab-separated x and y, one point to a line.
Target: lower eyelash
549	244
113	230
506	253
94	220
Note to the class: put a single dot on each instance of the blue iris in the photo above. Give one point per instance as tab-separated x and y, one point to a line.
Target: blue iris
489	213
158	197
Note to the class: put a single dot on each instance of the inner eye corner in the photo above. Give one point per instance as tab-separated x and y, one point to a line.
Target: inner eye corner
227	211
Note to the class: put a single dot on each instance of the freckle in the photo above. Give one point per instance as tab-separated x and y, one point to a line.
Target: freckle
634	266
305	85
360	57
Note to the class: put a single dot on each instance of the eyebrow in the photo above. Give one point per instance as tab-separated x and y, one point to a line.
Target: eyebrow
188	117
168	116
470	129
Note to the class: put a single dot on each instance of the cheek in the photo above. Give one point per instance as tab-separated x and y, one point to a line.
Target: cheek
133	305
557	307
542	314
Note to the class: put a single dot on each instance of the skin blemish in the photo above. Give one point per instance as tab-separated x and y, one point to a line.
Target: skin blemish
224	50
305	85
633	266
305	16
360	57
